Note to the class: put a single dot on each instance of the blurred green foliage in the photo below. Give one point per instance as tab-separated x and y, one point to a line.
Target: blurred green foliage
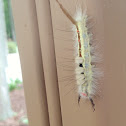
12	47
17	81
8	19
14	84
24	120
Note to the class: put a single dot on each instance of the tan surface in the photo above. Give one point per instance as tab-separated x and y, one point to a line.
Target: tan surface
110	28
115	61
30	53
110	110
72	113
49	63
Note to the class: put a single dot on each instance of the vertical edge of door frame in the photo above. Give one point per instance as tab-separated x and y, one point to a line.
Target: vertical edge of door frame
49	61
26	26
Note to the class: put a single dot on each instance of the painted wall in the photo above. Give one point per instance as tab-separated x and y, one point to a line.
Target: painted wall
109	28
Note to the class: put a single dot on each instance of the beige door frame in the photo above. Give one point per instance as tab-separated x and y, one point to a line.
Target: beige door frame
40	47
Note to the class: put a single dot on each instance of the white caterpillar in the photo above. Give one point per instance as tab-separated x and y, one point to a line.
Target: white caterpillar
86	58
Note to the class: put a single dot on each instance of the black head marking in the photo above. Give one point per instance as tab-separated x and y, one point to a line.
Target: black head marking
80	65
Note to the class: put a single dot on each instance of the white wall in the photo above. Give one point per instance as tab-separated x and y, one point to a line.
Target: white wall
13	70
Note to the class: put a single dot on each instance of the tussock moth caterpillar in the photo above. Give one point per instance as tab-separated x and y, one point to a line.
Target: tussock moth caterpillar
86	58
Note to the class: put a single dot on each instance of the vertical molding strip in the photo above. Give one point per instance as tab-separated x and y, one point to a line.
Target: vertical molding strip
26	25
49	61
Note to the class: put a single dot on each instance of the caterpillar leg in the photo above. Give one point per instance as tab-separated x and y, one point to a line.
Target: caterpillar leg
92	103
79	98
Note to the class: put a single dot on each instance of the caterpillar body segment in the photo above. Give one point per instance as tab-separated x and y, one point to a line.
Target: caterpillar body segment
84	59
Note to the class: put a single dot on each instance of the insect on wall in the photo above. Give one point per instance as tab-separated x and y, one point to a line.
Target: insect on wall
83	57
